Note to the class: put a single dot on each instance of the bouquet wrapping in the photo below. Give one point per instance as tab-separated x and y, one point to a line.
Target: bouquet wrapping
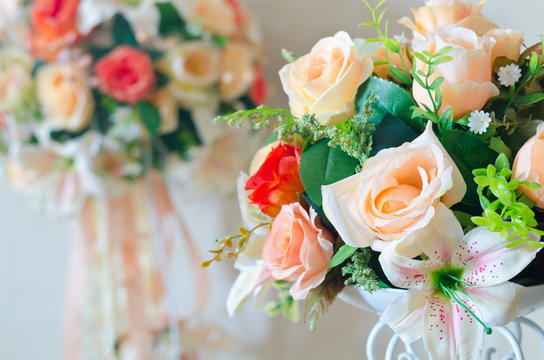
102	104
403	163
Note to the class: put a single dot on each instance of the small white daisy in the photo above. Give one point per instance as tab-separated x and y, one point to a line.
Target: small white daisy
478	122
509	75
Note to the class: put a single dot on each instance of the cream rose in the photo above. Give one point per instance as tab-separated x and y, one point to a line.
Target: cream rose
395	194
529	166
467	86
237	70
325	82
16	83
439	13
193	68
65	99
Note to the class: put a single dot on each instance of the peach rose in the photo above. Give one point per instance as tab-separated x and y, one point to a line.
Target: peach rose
529	166
194	68
65	100
395	194
439	13
53	26
237	70
16	83
508	43
325	82
165	101
467	86
298	249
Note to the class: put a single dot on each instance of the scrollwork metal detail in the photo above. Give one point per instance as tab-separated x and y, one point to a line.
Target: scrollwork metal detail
513	336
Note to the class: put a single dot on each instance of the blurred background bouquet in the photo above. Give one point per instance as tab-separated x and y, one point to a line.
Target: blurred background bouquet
102	104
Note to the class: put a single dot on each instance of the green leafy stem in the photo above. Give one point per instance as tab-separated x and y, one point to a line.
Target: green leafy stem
506	210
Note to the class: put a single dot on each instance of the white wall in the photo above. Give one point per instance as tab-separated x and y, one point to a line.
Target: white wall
33	249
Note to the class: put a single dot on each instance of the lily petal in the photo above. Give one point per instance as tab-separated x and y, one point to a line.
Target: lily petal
498	304
449	331
244	286
486	259
404	315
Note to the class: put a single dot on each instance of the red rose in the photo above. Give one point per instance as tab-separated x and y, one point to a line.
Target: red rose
277	182
126	74
53	26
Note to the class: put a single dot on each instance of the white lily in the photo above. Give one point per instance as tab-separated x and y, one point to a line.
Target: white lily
460	288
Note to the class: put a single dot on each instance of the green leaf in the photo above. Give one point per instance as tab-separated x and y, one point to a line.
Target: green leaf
529	99
390	99
392	132
170	20
321	165
321	298
533	63
436	83
464	219
499	146
122	32
344	253
185	137
399	75
150	116
469	152
502	162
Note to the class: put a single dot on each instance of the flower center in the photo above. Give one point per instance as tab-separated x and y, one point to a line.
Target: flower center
447	281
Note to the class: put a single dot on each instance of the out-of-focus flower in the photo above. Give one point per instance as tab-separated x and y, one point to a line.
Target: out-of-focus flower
65	98
53	26
237	70
194	68
220	17
126	74
16	83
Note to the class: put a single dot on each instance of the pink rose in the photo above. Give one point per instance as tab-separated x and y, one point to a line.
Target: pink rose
126	74
298	249
467	86
529	166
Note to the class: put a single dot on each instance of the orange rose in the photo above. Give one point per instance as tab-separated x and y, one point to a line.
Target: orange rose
529	166
439	13
395	194
53	26
277	180
467	86
298	249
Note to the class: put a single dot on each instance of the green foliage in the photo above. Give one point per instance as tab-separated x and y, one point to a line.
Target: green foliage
184	137
391	132
170	20
392	45
321	298
506	210
322	165
469	152
389	99
432	85
360	272
288	55
225	246
285	305
344	253
151	117
122	32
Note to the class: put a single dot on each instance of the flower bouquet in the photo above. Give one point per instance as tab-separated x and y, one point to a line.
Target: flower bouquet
410	166
101	103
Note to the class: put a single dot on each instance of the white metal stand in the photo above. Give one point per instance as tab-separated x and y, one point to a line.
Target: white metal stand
513	338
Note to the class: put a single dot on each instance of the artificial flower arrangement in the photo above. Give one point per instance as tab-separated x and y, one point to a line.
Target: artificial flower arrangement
411	164
102	102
